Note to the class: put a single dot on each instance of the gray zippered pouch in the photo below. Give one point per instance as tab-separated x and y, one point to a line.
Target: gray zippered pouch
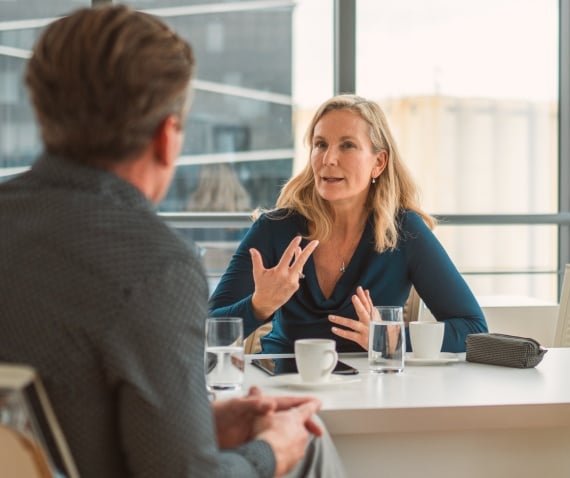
504	350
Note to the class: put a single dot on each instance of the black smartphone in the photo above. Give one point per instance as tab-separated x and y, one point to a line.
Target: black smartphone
281	365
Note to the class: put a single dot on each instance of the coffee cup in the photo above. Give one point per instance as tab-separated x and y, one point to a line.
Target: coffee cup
315	358
426	339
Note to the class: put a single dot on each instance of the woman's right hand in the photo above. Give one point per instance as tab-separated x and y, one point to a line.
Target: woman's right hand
275	286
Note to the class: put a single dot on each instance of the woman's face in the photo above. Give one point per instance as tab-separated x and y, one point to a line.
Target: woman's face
343	159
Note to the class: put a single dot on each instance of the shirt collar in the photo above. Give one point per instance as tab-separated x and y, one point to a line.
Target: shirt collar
61	172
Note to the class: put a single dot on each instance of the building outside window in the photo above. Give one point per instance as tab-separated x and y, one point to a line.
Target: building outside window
472	91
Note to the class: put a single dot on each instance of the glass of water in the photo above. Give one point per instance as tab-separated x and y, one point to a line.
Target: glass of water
224	360
387	340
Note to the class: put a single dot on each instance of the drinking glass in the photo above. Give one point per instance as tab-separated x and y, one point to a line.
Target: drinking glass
387	340
224	360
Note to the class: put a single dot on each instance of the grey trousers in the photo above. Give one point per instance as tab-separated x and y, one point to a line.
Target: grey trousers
321	459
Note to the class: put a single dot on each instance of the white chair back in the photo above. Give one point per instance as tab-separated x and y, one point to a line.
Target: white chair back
562	336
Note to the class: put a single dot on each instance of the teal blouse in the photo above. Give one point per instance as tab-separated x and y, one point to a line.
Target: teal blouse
419	260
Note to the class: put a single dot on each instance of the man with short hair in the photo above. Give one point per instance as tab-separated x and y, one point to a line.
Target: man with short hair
99	295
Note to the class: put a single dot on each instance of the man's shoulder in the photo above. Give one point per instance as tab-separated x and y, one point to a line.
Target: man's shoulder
145	233
127	245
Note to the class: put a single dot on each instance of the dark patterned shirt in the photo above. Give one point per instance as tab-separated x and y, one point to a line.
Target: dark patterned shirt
108	304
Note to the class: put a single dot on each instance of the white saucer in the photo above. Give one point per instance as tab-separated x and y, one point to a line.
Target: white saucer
444	358
293	380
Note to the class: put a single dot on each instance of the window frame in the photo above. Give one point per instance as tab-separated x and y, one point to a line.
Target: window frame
344	71
345	81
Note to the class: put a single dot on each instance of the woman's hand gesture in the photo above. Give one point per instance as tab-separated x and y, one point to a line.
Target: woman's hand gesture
356	330
275	286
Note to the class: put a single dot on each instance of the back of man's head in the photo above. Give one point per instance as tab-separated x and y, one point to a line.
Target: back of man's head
103	80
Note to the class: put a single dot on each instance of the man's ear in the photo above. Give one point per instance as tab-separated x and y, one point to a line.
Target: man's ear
167	142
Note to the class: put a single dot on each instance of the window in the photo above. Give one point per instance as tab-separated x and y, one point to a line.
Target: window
471	90
475	92
20	25
242	110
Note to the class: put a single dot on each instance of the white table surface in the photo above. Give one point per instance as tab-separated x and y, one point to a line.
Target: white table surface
463	405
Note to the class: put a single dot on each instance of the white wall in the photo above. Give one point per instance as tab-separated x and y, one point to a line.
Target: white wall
515	316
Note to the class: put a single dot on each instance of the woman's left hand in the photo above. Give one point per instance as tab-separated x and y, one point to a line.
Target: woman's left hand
356	330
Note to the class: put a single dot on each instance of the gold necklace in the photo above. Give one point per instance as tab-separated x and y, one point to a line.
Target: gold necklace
353	243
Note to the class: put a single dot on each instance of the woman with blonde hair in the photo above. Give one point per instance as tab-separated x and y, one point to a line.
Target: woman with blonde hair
347	233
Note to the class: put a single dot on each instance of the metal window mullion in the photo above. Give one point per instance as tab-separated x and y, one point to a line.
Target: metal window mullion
563	136
243	219
503	219
344	36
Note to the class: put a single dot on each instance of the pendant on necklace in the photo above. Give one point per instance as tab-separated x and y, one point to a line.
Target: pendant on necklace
342	268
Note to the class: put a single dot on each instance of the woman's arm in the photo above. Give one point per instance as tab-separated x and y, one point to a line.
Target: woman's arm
262	277
440	285
232	296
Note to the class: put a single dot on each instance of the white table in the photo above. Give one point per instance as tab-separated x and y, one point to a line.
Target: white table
455	420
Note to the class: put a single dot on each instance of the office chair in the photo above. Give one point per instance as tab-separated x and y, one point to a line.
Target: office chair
562	336
31	442
21	456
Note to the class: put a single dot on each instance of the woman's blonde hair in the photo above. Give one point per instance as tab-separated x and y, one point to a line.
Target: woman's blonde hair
393	191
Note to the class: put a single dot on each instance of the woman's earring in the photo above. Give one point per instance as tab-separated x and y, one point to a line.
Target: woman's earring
373	180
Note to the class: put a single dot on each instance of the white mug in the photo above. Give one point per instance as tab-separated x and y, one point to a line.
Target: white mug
315	358
426	339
